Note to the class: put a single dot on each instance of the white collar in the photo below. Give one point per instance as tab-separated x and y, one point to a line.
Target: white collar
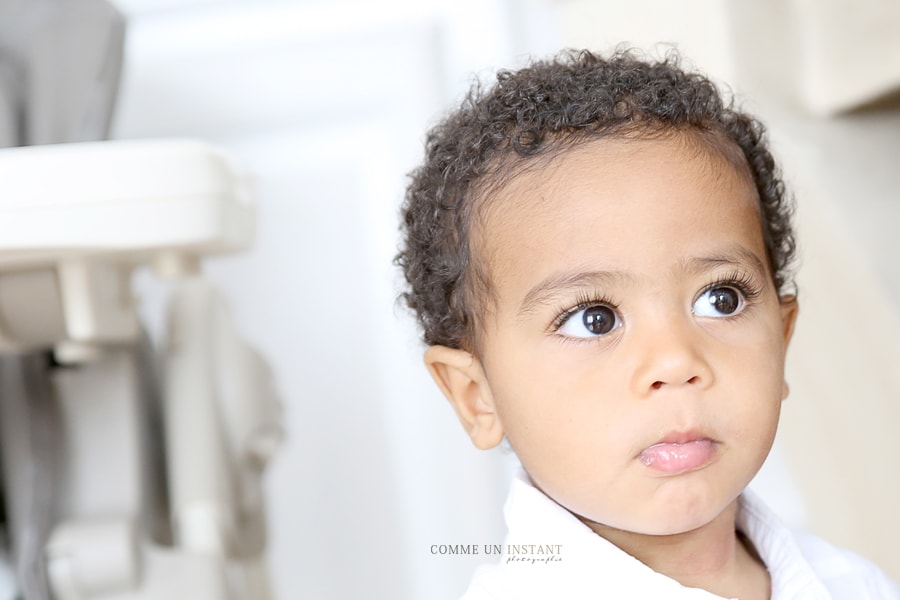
592	567
792	575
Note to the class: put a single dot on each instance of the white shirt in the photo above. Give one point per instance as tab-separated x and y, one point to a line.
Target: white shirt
550	554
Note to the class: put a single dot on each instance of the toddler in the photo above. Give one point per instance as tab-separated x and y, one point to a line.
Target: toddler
598	251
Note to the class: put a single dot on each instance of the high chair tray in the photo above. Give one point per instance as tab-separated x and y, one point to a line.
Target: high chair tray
127	200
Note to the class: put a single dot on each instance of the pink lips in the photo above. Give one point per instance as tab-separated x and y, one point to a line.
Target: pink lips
678	454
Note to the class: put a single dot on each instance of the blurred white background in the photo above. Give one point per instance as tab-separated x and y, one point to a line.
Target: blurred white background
326	104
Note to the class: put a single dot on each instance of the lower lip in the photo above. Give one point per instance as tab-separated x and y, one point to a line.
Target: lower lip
671	458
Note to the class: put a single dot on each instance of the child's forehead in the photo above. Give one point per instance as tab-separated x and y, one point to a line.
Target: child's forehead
534	182
585	196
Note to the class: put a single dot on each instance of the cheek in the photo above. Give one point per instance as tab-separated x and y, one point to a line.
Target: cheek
755	380
559	405
552	384
754	351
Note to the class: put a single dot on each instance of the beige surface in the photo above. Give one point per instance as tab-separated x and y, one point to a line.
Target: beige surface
848	51
839	425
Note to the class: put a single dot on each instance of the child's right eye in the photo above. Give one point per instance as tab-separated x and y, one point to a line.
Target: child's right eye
591	321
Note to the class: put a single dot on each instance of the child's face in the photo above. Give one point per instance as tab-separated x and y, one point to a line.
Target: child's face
635	357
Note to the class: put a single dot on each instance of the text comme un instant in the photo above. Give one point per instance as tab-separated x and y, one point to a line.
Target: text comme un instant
511	549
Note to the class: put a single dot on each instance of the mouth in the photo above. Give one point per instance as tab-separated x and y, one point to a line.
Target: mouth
679	453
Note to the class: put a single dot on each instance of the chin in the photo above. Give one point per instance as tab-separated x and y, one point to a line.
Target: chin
680	517
655	523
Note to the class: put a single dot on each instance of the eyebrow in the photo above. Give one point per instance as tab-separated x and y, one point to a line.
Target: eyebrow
735	255
561	283
555	285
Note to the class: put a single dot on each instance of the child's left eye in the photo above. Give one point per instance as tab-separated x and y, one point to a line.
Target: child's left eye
721	301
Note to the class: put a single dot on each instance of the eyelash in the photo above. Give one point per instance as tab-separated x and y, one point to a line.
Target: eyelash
583	301
742	281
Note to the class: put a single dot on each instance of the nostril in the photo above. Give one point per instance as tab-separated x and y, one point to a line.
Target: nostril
658	384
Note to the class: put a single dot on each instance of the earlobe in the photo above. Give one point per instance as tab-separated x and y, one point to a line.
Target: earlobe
461	378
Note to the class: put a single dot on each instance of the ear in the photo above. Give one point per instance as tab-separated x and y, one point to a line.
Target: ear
789	310
460	376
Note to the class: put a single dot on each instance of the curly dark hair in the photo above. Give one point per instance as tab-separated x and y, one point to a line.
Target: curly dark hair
540	110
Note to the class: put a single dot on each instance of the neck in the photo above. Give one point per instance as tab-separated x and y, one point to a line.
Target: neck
712	557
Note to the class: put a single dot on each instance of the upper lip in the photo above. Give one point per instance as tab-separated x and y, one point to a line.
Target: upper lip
683	437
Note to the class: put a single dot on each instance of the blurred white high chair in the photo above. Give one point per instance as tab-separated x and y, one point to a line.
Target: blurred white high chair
128	473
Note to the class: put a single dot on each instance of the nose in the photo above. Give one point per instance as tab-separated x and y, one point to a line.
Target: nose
670	354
